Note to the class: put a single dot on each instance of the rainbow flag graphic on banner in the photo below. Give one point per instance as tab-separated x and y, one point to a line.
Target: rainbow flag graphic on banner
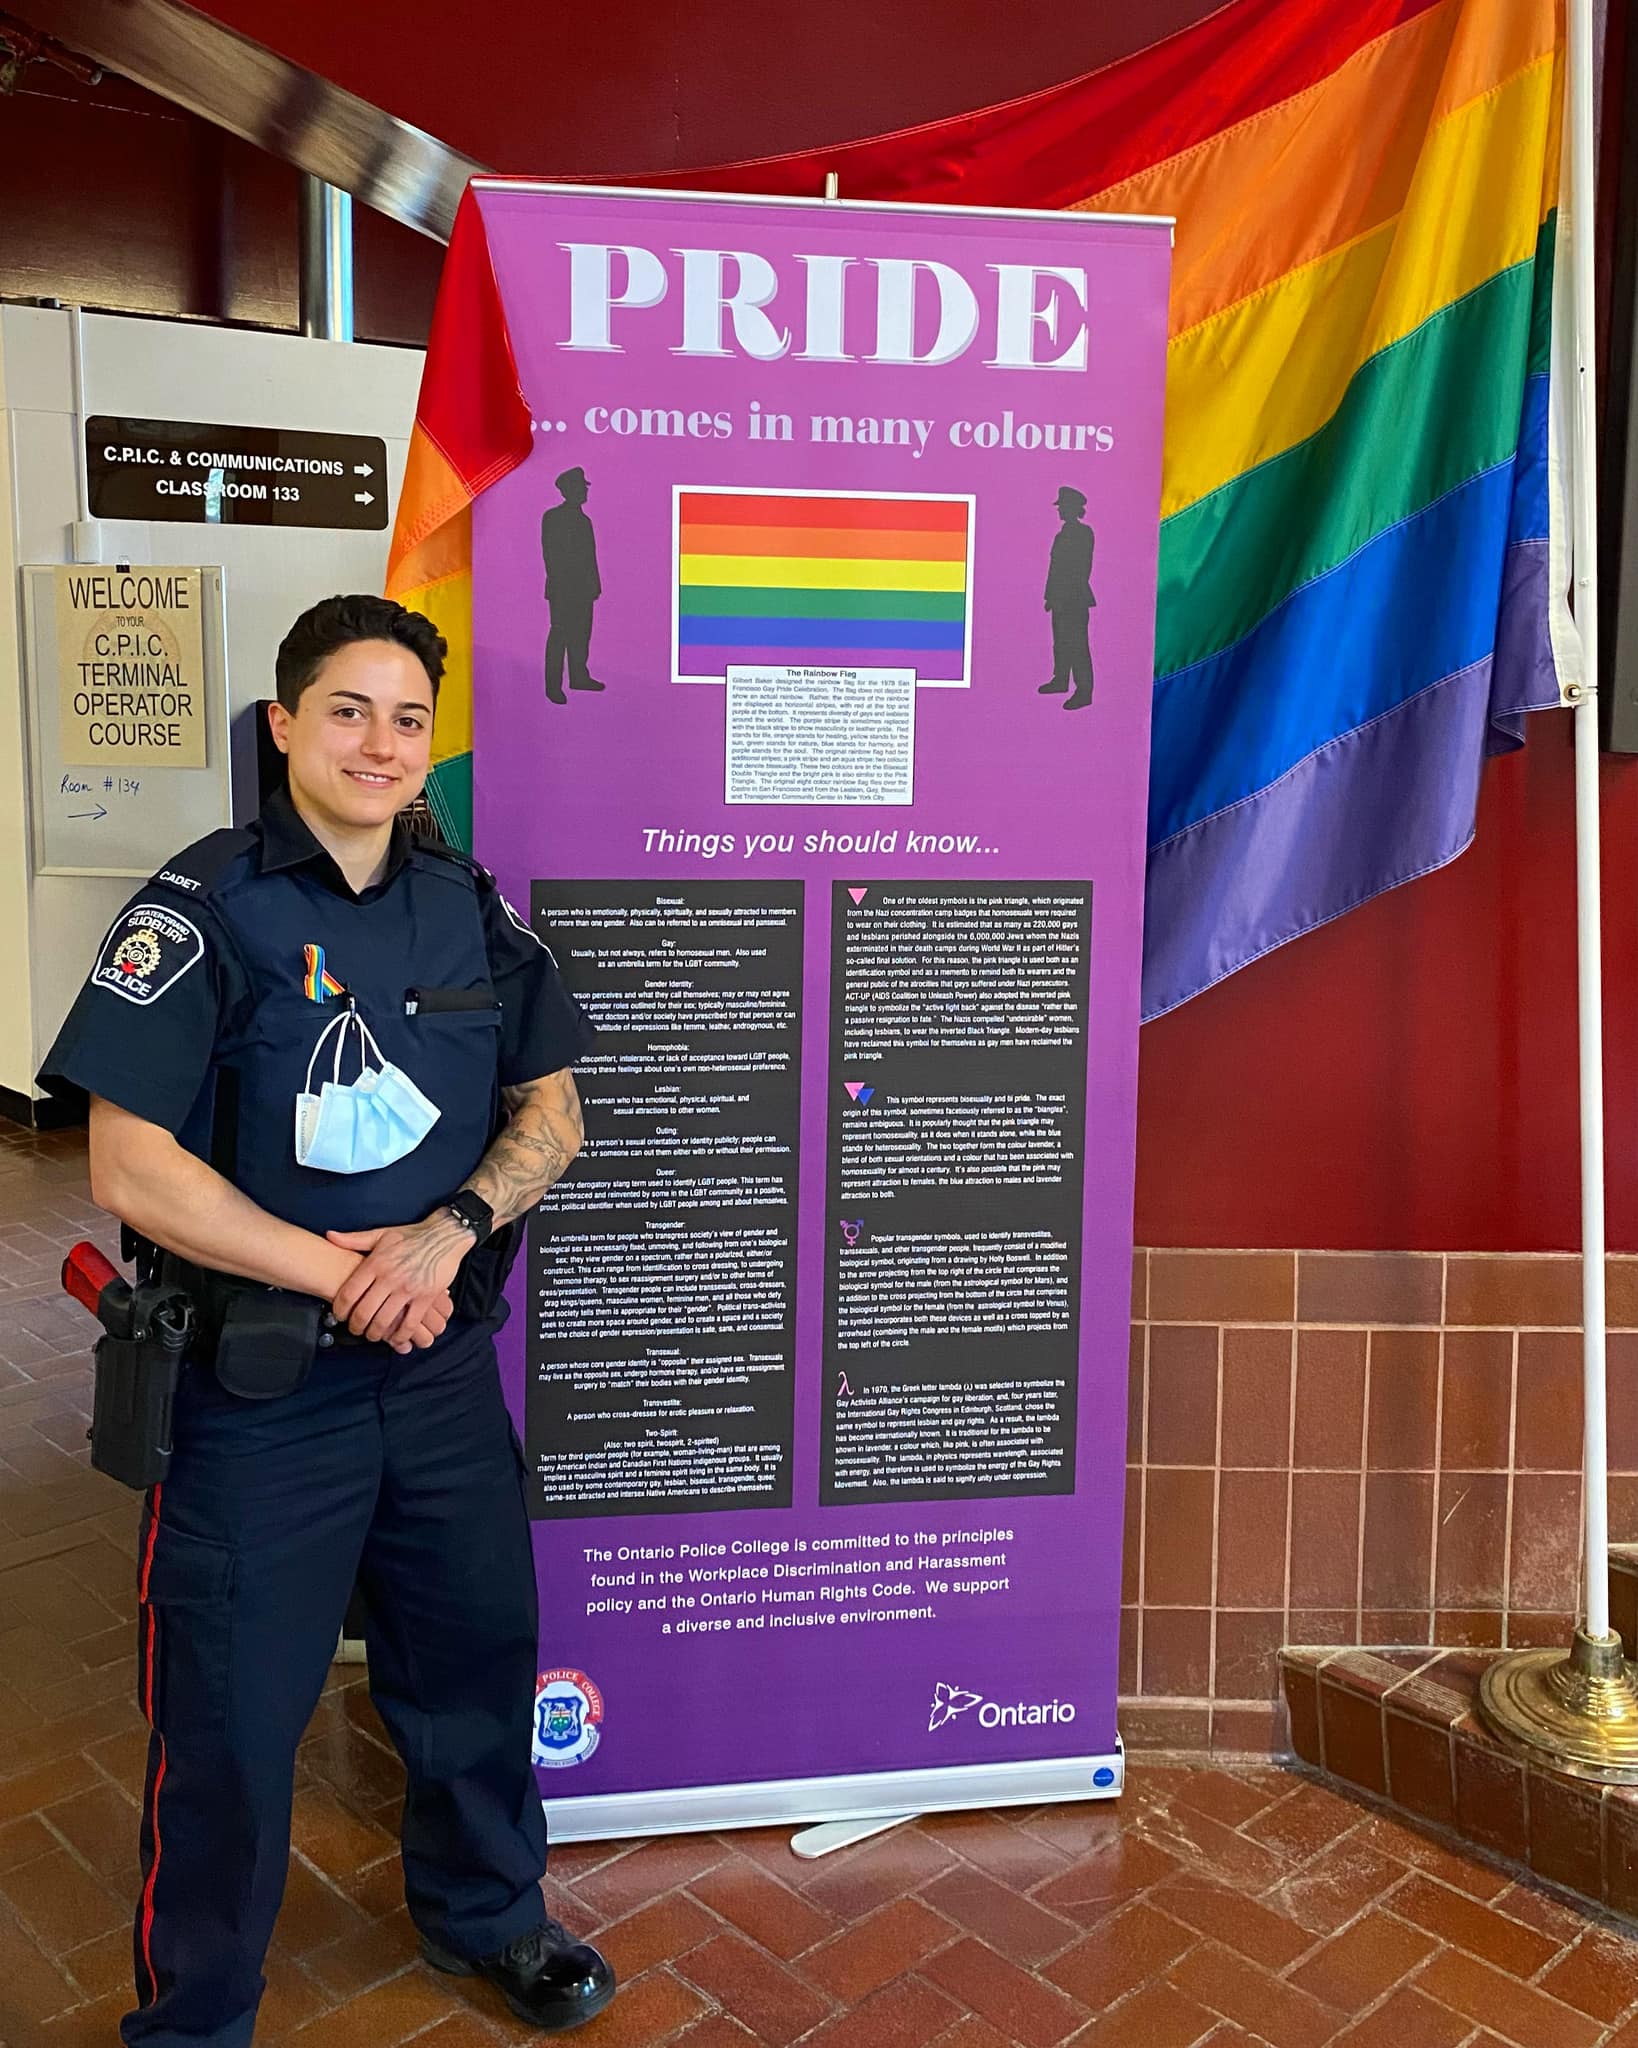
822	579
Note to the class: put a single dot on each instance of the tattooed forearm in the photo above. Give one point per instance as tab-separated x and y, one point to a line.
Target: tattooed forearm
536	1148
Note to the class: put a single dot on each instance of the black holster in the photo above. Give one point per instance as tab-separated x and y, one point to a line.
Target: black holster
134	1375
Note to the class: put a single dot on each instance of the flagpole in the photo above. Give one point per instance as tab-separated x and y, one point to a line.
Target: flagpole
1589	922
1582	1705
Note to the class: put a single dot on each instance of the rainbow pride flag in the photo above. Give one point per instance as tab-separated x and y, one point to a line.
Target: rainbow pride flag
822	579
1362	562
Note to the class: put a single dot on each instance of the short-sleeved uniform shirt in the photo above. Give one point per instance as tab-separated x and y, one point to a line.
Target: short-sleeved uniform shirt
215	982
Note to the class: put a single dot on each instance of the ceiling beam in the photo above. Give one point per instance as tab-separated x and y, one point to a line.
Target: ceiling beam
295	115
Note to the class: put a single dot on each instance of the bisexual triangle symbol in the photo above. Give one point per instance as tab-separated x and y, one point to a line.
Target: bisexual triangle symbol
859	1092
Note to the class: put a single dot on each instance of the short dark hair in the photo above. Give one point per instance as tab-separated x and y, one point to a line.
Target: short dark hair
336	622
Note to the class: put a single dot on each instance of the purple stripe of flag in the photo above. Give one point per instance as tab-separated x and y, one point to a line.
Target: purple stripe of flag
1378	806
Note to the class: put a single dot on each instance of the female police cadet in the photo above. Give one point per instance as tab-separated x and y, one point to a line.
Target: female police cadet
325	1065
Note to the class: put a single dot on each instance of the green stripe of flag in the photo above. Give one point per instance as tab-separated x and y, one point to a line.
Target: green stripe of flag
703	600
1420	418
449	796
1541	311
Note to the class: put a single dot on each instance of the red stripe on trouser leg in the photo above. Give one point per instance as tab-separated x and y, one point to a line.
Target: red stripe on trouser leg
159	1774
153	1534
148	1888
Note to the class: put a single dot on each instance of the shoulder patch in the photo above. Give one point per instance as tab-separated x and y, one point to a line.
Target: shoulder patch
147	953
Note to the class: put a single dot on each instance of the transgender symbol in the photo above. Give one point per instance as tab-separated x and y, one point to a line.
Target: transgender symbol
850	1232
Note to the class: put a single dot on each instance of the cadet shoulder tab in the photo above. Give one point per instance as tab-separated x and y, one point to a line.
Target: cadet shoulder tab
197	869
437	850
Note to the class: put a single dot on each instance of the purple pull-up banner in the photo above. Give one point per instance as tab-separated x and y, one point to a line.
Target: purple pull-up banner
812	654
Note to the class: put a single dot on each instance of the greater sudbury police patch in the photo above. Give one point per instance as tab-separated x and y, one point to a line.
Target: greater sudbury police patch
147	953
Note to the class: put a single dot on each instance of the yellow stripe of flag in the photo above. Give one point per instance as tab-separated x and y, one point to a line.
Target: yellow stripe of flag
814	572
1262	376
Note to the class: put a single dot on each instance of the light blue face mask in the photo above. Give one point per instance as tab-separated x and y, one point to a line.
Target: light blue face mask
359	1125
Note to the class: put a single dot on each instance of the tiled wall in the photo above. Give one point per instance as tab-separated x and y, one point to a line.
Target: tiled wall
1339	1447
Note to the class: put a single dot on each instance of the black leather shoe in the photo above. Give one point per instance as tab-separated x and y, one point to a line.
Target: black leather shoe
1079	701
587	683
548	1978
1052	689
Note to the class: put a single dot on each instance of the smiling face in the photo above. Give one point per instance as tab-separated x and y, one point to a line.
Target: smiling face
359	743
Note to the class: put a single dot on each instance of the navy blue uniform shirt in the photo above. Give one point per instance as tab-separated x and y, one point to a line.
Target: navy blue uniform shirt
200	1013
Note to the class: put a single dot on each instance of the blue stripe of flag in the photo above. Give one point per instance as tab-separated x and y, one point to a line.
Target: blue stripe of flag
1530	503
1417	604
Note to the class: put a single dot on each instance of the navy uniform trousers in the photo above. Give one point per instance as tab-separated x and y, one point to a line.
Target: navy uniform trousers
407	1472
1072	646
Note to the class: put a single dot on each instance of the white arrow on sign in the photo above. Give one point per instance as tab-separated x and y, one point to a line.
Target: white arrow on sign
363	469
363	498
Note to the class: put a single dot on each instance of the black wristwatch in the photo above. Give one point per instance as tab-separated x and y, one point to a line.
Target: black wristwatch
474	1212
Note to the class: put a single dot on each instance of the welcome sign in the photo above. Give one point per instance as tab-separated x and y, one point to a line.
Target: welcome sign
813	648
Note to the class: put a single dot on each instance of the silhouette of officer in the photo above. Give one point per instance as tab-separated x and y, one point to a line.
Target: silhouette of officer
1069	599
568	548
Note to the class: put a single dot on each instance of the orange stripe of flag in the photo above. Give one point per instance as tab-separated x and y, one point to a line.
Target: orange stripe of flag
858	543
1273	193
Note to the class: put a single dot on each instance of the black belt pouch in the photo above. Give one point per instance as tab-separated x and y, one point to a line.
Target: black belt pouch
267	1343
133	1393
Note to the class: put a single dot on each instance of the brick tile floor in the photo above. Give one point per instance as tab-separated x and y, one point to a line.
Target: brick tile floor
1217	1903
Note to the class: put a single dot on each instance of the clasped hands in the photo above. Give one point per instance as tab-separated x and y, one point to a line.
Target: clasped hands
398	1292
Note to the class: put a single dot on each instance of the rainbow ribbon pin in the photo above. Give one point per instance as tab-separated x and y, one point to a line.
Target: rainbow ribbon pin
317	980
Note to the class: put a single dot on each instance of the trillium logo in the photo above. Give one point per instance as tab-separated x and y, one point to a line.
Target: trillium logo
950	1700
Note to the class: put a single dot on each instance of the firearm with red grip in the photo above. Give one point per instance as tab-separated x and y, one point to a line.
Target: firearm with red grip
146	1333
88	1275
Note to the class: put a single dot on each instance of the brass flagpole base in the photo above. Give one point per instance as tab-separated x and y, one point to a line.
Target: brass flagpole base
1578	1707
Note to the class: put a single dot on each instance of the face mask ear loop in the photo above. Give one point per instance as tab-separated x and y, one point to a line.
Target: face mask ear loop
350	1017
339	1023
369	1039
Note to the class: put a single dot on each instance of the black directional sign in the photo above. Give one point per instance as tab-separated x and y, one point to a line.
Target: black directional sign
214	475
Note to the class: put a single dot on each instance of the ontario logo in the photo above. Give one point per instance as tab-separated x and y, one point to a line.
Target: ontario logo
952	1700
568	1719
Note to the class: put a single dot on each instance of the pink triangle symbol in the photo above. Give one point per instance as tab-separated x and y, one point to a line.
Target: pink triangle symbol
858	895
853	1088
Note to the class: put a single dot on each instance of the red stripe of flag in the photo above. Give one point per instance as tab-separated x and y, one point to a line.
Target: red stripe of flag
471	405
1052	148
903	515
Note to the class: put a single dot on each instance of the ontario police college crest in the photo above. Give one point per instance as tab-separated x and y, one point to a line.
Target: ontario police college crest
568	1718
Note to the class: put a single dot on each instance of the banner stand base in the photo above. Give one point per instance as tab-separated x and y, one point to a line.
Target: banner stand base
831	1812
826	1836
